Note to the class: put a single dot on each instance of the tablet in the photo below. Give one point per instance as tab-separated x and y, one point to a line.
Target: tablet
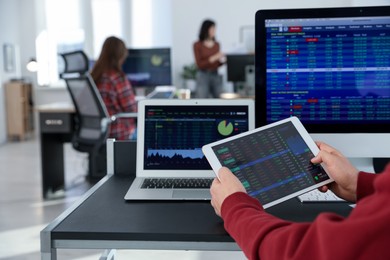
272	162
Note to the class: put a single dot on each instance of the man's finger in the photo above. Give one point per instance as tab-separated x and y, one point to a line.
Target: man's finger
223	173
322	157
323	188
317	159
328	148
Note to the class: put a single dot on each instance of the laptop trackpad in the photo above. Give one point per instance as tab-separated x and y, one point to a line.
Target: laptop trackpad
192	194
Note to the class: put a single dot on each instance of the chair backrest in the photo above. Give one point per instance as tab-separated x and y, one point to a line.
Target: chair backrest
92	115
75	62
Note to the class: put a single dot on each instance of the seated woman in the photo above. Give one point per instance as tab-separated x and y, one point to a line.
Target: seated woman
114	87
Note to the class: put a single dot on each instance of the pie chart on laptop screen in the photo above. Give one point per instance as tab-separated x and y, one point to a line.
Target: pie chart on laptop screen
225	128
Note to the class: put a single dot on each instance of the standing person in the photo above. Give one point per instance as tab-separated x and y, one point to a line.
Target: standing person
208	58
364	234
114	87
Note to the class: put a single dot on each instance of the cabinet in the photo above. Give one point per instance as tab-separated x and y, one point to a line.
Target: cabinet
18	100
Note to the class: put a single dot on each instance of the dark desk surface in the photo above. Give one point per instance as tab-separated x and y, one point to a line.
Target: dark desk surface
105	215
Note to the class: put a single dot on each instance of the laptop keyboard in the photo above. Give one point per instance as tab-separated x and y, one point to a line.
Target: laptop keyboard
178	183
318	196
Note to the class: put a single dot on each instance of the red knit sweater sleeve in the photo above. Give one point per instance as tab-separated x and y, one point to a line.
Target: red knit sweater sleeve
365	185
365	234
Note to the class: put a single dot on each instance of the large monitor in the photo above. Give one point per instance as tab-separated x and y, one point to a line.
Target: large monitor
241	71
331	68
148	67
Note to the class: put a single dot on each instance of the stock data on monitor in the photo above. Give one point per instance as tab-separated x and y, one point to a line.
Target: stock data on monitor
328	70
174	137
271	164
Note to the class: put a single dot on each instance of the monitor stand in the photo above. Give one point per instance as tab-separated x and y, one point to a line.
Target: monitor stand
371	165
363	164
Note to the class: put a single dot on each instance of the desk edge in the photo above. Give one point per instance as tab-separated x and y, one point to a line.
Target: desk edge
146	245
45	234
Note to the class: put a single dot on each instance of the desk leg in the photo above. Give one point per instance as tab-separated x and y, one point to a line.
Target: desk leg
52	161
47	252
49	255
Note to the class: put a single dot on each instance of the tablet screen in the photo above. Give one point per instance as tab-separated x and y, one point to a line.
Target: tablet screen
271	164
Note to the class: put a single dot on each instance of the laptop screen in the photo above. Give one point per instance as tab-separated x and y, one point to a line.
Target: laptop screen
174	135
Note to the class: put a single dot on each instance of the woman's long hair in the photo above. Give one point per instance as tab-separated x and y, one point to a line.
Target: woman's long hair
204	30
113	53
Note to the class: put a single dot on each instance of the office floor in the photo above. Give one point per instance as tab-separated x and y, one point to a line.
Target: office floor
23	212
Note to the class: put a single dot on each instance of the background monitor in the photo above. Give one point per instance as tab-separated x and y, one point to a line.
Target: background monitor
331	68
236	64
148	67
241	71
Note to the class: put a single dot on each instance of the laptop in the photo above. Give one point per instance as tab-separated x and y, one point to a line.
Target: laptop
161	92
171	133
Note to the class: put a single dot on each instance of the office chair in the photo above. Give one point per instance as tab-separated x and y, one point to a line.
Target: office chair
92	118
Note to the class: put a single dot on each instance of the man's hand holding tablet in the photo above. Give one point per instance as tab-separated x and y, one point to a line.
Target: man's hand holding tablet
272	162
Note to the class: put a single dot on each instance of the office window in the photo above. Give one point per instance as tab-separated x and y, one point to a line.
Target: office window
106	21
79	24
151	23
141	23
63	33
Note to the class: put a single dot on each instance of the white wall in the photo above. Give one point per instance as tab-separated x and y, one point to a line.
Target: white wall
27	51
162	23
9	28
20	23
229	16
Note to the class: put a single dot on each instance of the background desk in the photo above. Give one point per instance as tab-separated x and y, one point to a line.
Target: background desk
103	219
56	122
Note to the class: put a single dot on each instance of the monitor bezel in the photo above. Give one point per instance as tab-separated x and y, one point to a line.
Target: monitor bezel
260	63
